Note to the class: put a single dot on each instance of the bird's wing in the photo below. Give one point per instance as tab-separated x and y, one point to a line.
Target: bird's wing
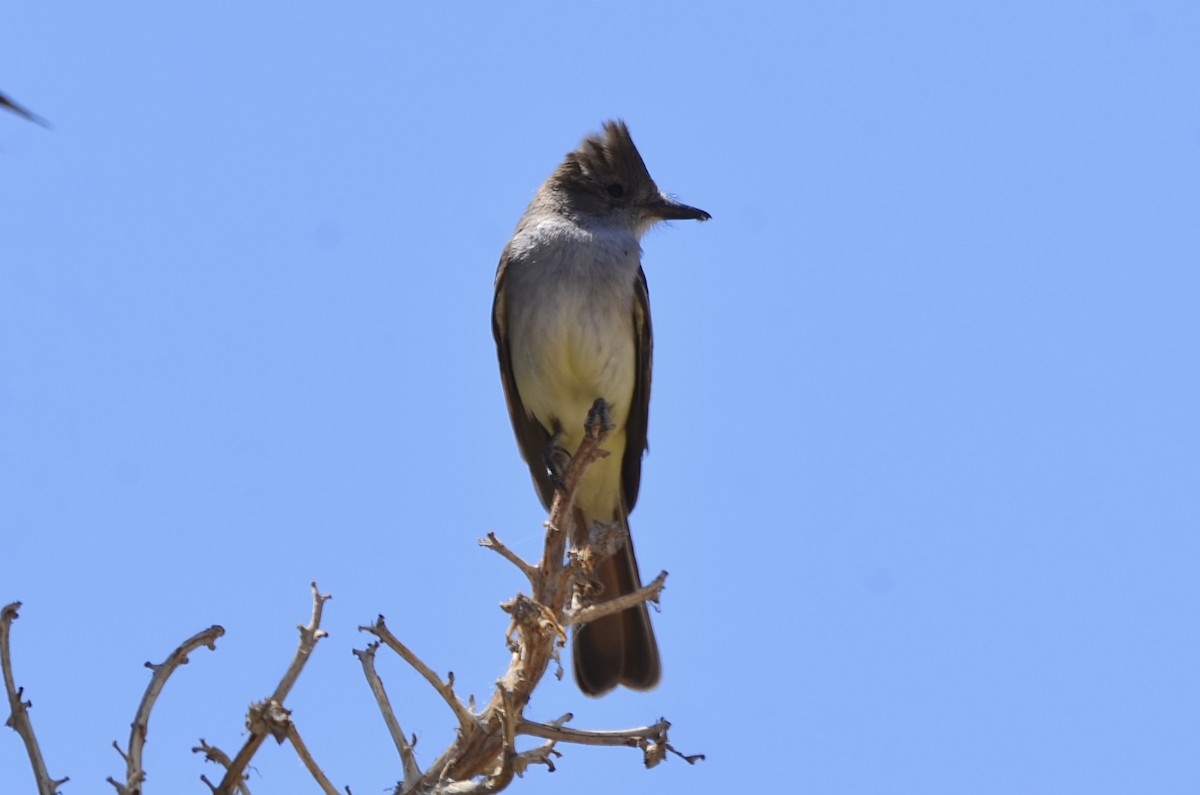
532	438
639	407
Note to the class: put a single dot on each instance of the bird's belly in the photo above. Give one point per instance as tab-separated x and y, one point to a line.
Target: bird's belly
570	365
573	359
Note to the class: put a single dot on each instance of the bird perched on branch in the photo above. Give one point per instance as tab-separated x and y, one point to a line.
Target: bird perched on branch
571	318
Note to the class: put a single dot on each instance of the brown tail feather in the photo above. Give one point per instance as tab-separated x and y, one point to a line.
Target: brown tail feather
619	649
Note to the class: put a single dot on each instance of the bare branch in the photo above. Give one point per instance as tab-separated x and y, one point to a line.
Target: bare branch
235	772
691	759
120	753
542	755
135	773
632	738
412	773
309	635
649	593
18	718
302	750
214	754
496	545
651	739
501	775
467	721
270	716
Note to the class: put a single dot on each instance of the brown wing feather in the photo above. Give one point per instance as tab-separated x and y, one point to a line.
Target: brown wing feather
639	407
532	438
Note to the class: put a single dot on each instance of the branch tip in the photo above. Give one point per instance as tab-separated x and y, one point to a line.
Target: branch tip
124	756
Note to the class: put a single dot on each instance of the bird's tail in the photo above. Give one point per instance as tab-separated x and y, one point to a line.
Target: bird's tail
618	649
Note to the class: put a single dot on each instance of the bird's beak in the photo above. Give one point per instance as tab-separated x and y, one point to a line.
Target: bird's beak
669	210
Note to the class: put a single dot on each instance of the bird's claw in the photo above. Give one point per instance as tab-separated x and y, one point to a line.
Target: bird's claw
556	459
598	419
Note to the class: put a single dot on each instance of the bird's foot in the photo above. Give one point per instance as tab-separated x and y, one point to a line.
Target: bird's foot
556	459
598	420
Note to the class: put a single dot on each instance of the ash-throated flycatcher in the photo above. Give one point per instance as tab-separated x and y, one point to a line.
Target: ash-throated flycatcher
571	319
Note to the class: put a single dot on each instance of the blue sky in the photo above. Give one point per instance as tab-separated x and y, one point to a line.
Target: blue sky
925	443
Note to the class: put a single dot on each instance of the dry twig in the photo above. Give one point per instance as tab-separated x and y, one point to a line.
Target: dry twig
215	754
135	773
269	717
466	720
18	718
649	593
497	546
326	785
412	772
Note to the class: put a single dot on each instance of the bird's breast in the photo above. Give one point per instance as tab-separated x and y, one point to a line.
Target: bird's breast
570	325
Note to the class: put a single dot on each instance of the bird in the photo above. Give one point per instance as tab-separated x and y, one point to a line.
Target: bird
571	321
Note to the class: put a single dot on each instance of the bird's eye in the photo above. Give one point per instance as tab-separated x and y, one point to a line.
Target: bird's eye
615	190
